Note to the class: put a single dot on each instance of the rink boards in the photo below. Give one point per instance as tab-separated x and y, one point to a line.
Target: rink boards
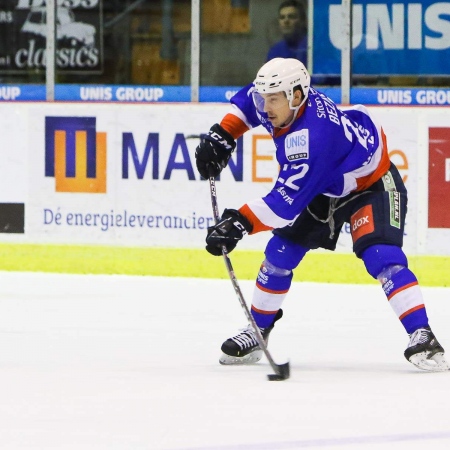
124	174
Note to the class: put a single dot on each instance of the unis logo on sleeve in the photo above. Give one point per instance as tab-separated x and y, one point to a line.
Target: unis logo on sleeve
297	145
75	154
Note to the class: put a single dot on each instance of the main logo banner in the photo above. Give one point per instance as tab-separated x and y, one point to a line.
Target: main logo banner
127	175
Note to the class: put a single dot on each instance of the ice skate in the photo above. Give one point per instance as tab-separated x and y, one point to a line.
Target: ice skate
244	348
425	352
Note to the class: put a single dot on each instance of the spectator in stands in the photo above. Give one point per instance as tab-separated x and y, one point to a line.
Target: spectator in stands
292	22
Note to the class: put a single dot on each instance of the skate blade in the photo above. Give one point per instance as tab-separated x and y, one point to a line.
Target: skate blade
251	358
436	363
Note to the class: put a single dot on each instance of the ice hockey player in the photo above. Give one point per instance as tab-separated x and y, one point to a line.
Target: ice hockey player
334	169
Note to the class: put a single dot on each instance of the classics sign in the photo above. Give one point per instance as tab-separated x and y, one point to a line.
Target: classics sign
23	29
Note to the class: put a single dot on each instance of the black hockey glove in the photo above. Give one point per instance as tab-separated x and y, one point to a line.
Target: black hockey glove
228	231
214	151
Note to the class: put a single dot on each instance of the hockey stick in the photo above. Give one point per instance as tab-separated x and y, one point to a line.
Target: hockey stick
282	371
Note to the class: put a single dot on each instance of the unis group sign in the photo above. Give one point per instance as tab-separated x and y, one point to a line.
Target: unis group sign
23	29
389	37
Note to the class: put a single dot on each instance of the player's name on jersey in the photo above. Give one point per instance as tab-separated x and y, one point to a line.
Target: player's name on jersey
156	94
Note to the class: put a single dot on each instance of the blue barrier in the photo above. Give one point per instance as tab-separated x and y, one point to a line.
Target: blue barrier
221	94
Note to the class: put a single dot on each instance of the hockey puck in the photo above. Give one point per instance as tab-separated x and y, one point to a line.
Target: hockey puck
283	372
275	377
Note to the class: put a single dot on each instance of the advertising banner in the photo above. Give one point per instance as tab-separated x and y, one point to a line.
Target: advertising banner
128	176
389	37
125	174
23	30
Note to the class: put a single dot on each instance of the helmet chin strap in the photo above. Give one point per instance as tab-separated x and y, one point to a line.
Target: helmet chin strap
295	109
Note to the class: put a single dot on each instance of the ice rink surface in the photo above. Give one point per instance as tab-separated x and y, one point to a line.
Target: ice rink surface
131	363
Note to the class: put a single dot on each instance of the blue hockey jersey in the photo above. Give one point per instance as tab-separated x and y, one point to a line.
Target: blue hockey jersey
324	151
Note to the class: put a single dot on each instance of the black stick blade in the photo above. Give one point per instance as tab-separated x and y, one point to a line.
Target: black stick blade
283	373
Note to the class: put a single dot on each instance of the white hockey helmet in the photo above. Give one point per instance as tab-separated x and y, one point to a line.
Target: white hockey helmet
282	75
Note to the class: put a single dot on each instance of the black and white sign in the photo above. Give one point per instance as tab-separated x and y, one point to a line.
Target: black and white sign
79	29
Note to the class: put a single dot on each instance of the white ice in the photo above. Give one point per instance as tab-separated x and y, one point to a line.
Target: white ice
131	363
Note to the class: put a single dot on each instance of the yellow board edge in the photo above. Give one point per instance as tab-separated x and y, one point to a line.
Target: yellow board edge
323	267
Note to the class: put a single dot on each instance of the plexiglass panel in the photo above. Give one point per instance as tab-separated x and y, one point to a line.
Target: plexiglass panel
148	42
